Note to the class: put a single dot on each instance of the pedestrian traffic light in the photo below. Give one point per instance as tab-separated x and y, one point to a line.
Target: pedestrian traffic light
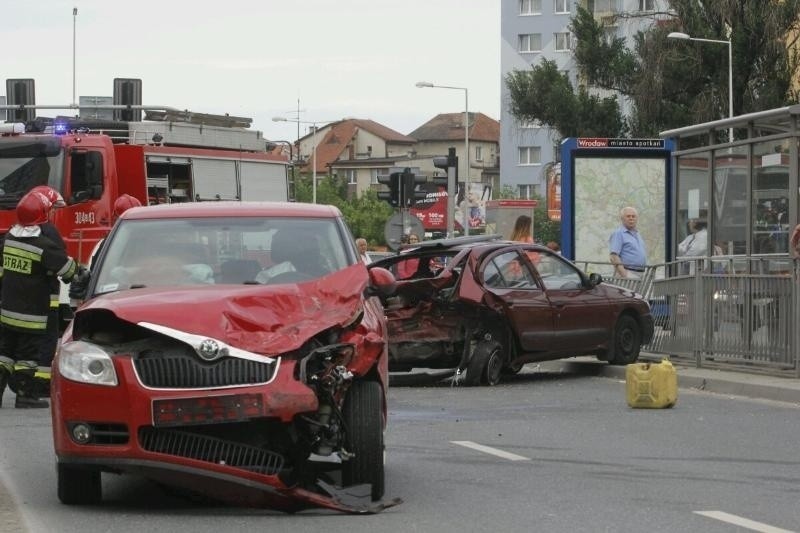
410	194
393	194
446	163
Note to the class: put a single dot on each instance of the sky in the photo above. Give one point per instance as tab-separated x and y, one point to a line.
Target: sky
250	58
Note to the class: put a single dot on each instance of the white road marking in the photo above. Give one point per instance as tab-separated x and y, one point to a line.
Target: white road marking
742	522
489	450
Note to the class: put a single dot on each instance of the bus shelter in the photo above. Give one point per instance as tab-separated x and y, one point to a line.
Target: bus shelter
745	190
734	302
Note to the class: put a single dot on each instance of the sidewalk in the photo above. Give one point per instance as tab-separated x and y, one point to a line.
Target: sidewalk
689	377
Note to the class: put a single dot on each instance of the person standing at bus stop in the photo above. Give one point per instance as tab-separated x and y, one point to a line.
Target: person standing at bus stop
627	251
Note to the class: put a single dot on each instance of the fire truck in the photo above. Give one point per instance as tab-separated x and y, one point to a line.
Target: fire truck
170	156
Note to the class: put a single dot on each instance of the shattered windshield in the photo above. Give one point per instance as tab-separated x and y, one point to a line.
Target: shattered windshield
221	250
25	164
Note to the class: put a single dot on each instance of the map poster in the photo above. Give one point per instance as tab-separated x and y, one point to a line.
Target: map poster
602	187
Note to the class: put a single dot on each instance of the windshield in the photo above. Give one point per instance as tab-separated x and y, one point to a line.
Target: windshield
217	250
27	163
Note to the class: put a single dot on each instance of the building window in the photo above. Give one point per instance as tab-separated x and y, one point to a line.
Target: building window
530	155
562	6
647	5
530	125
373	176
352	176
603	6
530	42
530	7
563	42
526	191
479	153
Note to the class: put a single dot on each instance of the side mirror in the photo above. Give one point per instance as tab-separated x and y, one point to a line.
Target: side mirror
595	279
382	283
80	196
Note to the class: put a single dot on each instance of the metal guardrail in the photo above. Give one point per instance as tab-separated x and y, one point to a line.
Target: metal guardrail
735	312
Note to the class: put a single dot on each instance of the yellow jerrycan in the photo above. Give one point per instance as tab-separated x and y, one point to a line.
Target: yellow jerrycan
651	385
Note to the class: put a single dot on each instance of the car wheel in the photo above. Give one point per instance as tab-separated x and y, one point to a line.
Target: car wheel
78	486
486	364
363	416
627	341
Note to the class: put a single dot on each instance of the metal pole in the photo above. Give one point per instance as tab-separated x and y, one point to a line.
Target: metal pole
466	212
730	87
74	20
314	164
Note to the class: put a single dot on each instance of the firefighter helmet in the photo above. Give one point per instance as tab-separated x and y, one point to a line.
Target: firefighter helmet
33	209
123	203
51	194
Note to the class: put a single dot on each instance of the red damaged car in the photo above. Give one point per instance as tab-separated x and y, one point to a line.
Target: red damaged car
238	350
484	307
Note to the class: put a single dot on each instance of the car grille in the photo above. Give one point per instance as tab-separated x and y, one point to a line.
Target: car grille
210	449
186	371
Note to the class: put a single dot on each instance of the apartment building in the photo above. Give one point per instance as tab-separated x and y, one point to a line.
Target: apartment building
532	30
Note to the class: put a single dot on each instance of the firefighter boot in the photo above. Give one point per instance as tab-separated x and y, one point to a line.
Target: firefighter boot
25	384
6	369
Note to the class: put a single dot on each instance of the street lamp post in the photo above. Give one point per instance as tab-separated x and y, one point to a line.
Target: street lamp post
74	22
313	149
686	37
465	212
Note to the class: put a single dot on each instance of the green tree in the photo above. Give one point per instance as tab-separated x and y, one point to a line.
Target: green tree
544	229
669	83
366	216
546	95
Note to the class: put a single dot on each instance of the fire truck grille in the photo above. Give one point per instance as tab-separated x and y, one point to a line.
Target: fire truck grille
185	371
210	449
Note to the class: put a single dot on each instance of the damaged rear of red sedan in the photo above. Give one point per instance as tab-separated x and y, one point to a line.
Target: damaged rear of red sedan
236	350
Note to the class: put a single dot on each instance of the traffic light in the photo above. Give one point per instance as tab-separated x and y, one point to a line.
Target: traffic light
410	194
446	163
393	194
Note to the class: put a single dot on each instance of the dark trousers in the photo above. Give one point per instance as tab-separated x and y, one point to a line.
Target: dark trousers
21	346
49	341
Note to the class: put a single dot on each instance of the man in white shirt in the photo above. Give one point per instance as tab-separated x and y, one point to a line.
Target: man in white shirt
362	250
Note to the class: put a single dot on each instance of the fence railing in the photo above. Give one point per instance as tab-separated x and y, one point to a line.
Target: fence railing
733	311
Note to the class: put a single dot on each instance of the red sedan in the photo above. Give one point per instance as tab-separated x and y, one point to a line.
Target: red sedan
233	349
485	307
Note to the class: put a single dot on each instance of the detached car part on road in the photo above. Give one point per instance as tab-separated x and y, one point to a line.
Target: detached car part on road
234	349
486	307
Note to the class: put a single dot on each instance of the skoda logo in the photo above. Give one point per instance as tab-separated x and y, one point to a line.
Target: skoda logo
209	350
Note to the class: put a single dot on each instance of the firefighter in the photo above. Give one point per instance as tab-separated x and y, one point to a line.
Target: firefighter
30	261
50	342
121	204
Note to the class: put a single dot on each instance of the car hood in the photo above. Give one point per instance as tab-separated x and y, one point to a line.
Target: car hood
265	319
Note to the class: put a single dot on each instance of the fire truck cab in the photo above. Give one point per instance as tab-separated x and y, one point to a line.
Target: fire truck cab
170	157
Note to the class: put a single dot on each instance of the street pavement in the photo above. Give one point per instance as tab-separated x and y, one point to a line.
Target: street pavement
716	381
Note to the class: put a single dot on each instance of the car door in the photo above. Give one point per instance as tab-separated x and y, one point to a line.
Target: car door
508	278
582	318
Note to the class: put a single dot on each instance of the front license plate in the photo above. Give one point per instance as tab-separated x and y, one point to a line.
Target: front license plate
206	409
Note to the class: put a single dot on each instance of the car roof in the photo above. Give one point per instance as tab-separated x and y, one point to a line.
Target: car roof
484	242
232	208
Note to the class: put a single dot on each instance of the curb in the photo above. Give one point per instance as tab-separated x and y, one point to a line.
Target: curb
708	380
